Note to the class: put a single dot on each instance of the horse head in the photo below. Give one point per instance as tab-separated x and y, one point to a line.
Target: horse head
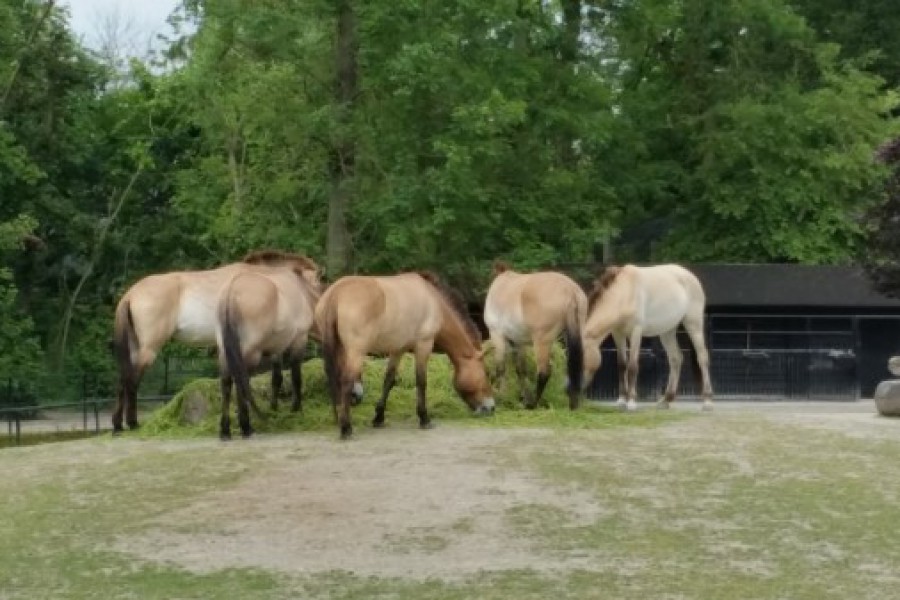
471	382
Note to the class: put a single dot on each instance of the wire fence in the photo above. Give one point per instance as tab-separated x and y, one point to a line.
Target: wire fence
78	399
774	374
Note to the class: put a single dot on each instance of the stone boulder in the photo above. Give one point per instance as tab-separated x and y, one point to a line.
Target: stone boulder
894	366
887	398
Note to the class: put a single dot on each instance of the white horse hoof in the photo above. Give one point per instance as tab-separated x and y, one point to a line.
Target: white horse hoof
631	406
707	405
662	404
622	403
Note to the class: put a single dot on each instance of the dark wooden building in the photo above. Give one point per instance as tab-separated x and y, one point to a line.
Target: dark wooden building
838	329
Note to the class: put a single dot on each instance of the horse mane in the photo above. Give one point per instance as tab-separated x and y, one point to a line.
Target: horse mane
604	280
456	302
299	262
501	266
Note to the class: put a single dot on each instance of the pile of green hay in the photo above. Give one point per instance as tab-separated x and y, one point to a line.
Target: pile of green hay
196	409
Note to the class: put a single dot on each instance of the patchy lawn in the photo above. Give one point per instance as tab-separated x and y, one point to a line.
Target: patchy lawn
724	505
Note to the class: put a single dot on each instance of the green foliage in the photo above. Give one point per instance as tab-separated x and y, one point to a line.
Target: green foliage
533	131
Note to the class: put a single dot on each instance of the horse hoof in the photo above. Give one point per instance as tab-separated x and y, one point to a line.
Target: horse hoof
427	425
225	437
134	426
707	405
662	404
378	423
346	432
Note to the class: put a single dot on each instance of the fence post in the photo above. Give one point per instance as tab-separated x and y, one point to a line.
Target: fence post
84	400
96	418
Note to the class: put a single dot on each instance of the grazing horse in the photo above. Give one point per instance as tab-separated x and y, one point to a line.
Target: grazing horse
535	308
632	302
263	313
179	304
409	312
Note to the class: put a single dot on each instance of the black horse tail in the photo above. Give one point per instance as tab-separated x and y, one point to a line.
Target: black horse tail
574	346
231	349
332	350
124	333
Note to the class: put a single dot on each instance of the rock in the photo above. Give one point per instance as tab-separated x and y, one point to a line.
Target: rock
887	398
195	406
894	366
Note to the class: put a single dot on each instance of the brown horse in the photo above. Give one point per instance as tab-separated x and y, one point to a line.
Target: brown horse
632	302
409	312
180	304
263	313
535	308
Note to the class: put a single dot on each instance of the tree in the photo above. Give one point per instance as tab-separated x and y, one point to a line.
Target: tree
761	136
881	258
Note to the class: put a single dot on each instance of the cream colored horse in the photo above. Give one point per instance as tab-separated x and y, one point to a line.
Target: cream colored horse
179	304
263	313
535	308
631	303
409	312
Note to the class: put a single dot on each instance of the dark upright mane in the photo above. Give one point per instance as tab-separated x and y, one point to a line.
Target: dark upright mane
274	257
602	283
456	302
501	266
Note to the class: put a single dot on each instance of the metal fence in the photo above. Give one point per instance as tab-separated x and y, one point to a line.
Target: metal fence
75	400
774	374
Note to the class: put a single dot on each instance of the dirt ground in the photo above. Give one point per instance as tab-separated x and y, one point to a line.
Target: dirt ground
417	505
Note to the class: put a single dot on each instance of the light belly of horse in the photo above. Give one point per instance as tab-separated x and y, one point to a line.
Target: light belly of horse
513	330
404	339
196	324
661	318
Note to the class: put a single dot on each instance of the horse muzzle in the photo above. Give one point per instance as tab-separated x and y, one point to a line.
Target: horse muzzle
486	408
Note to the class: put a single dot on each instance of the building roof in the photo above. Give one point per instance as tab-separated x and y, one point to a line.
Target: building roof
789	285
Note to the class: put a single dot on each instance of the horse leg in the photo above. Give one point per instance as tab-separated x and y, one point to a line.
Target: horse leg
542	361
390	378
695	332
225	383
295	360
621	366
592	360
521	375
631	369
245	392
499	344
347	378
669	341
277	381
145	359
423	352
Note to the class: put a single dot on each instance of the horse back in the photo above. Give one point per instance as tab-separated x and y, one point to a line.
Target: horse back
520	303
381	313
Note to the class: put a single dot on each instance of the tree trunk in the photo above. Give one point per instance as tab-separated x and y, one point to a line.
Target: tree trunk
343	154
569	53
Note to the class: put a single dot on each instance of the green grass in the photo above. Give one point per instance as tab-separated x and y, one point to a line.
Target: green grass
443	403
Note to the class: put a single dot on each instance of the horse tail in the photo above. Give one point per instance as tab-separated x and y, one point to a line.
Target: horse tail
574	346
332	350
231	349
123	335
